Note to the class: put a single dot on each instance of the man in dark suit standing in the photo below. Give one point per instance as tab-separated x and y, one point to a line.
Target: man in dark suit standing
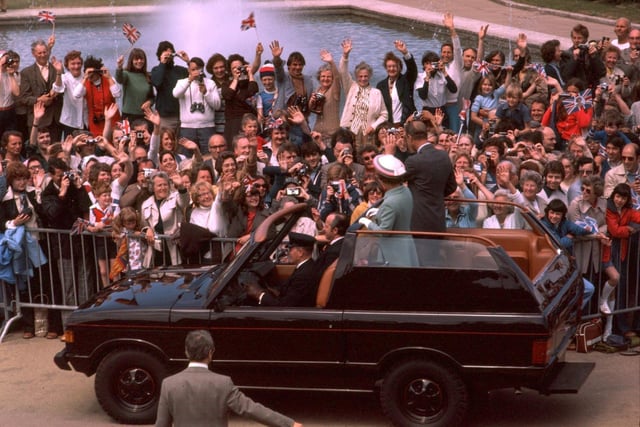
199	397
301	287
431	178
397	88
335	227
36	85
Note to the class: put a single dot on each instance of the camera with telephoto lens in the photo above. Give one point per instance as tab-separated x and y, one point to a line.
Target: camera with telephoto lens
71	175
197	106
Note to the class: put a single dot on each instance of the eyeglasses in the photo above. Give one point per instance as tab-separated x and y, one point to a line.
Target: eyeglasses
367	158
259	185
585	189
628	158
586	172
217	147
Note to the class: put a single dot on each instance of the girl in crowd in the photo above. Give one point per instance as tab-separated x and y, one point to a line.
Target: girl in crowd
325	101
137	90
101	215
567	125
372	194
127	229
621	218
485	104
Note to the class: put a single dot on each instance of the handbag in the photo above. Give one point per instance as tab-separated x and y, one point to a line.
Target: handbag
588	334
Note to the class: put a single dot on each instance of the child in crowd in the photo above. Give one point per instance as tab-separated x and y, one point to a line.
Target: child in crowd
514	110
130	242
267	96
485	104
567	125
101	216
621	218
250	128
555	218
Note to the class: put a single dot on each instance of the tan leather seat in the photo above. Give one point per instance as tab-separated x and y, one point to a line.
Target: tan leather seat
324	287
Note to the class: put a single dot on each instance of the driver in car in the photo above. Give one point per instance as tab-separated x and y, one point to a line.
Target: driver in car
300	288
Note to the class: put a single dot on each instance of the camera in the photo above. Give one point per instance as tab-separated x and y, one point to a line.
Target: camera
197	106
302	171
292	191
617	79
200	77
10	61
71	175
173	54
148	172
477	166
91	141
604	86
417	115
392	131
139	136
335	185
347	152
27	211
466	180
319	97
435	64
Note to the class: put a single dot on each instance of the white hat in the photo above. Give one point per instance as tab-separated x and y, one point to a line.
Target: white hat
389	166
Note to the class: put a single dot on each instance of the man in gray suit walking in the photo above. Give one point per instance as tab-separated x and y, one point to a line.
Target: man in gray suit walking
199	397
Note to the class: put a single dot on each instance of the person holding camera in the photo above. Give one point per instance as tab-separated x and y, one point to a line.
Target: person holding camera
10	84
100	90
198	99
238	94
164	77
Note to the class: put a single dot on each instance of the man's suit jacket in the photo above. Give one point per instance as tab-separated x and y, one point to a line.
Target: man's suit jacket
32	86
431	179
404	86
330	253
198	397
299	290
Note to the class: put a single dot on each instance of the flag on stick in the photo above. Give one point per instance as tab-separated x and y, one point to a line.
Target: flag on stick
46	16
130	32
248	23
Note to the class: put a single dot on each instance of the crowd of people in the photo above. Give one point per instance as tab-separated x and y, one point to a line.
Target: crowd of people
221	143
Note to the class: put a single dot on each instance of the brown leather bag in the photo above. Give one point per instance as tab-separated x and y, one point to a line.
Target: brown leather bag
588	334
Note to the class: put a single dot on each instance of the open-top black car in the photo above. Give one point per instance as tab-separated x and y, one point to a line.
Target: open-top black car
424	318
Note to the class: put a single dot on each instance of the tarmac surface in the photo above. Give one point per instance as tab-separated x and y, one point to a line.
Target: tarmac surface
34	392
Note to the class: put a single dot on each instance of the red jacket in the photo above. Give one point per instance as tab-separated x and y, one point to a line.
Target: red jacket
618	228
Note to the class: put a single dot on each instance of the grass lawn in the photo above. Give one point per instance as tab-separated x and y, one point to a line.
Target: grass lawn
605	9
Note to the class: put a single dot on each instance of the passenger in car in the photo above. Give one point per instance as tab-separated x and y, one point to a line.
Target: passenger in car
301	287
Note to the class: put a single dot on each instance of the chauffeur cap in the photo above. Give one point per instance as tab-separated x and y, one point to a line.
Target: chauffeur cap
302	240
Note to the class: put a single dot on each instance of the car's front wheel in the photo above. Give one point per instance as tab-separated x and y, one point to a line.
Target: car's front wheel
423	392
127	385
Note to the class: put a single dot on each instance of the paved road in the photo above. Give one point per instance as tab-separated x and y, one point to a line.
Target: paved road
34	392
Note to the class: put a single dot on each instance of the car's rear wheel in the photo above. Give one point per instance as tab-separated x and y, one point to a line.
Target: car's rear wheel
422	392
128	384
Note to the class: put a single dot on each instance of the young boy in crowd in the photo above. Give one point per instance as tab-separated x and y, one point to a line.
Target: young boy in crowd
515	109
267	96
553	177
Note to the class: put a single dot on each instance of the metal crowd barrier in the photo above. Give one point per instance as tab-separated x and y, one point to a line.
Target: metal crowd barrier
71	273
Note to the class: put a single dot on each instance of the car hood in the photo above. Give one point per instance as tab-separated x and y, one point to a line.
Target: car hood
153	289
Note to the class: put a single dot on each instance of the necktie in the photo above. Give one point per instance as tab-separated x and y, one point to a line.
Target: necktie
45	72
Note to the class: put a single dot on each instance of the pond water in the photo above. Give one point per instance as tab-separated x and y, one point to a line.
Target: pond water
195	30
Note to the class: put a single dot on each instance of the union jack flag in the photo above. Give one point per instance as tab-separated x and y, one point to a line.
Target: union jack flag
248	23
130	32
481	67
583	101
46	16
539	68
125	127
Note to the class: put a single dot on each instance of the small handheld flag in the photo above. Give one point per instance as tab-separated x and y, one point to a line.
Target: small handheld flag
130	32
46	16
248	23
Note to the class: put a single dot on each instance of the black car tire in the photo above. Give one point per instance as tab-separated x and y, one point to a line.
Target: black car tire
422	392
128	384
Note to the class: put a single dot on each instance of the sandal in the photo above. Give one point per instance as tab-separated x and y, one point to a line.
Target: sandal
51	335
27	335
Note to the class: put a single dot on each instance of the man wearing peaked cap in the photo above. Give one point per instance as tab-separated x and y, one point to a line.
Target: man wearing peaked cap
301	287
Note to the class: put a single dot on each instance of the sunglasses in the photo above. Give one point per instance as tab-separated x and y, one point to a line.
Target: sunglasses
585	189
628	158
367	158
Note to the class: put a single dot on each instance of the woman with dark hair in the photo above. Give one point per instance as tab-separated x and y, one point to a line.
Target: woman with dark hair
244	212
621	218
168	162
372	194
100	90
217	67
238	94
137	90
226	165
551	53
497	59
533	84
567	124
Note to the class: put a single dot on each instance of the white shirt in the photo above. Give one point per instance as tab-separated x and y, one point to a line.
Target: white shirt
74	110
188	95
